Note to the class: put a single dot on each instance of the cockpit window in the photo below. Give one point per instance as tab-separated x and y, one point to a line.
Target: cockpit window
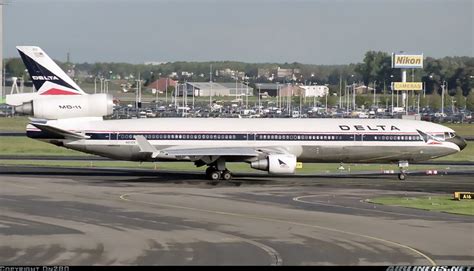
449	135
439	136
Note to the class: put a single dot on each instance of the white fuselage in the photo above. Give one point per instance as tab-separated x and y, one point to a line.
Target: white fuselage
310	140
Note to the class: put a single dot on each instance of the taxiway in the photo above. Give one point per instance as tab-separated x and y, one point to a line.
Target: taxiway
52	216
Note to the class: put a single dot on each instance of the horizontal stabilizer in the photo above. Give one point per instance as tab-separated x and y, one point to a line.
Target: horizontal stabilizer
20	98
57	131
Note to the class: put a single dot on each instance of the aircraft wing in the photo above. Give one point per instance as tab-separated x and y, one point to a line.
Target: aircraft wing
57	131
204	153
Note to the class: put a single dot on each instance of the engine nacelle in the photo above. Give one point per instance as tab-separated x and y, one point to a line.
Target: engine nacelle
68	106
276	164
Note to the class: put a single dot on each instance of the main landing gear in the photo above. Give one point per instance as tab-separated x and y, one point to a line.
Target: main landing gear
403	166
216	176
217	172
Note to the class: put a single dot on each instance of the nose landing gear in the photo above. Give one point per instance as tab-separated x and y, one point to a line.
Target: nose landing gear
403	166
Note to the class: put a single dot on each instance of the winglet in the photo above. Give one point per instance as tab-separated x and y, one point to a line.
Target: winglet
146	147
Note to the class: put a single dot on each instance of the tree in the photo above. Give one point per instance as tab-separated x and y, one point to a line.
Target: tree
470	101
15	67
332	100
435	101
448	101
460	99
170	89
363	100
424	101
376	66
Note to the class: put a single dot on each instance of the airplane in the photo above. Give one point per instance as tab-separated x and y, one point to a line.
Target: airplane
272	145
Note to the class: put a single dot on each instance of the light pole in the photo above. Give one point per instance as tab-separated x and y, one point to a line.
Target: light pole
101	84
185	96
138	95
210	81
314	100
353	96
247	95
259	102
443	86
340	91
2	78
194	90
106	85
290	108
176	89
278	95
166	91
375	81
353	92
327	93
346	92
391	90
301	109
236	86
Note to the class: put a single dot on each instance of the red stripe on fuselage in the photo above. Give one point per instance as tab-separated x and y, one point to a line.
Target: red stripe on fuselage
55	91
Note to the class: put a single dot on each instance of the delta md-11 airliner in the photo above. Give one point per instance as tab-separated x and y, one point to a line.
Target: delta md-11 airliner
64	115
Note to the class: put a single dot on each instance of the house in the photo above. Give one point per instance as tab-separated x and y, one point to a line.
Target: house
162	83
314	91
362	89
206	89
218	89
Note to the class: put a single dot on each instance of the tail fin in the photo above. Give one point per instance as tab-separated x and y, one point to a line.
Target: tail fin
48	78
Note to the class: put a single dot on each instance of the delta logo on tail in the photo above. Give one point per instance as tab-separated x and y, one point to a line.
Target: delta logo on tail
48	78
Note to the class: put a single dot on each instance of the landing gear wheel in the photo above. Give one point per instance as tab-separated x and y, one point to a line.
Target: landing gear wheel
209	170
226	175
403	166
215	175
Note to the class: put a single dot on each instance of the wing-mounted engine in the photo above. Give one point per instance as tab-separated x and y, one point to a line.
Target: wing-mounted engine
276	164
68	106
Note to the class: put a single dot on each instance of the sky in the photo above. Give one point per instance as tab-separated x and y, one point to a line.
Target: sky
256	31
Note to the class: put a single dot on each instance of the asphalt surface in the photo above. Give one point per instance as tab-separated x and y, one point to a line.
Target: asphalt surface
99	158
52	216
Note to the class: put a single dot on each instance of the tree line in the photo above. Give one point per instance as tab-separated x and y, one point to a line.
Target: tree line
456	73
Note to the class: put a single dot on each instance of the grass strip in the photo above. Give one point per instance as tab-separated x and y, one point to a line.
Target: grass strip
431	203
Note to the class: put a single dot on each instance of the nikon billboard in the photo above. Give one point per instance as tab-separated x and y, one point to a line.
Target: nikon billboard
407	61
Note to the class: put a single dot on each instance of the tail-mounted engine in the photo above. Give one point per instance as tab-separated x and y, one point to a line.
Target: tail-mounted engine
68	106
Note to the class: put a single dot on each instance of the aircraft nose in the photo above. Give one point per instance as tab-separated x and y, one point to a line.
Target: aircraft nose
461	142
